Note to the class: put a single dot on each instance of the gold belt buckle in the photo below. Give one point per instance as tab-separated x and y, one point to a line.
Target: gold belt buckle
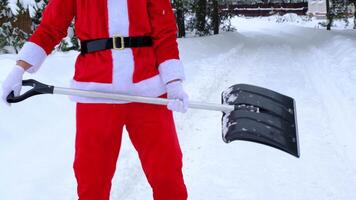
114	38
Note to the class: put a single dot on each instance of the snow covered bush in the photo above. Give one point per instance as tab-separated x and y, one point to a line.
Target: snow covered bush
71	42
226	24
291	18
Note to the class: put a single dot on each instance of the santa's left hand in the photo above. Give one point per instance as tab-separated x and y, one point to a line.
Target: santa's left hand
180	98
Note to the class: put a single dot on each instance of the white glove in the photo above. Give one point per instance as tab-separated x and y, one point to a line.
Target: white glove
13	82
175	91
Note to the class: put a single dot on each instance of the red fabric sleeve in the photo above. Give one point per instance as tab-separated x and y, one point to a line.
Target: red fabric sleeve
53	28
164	30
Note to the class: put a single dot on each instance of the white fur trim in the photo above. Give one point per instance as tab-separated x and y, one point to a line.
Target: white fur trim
152	87
32	54
170	70
123	68
123	60
118	18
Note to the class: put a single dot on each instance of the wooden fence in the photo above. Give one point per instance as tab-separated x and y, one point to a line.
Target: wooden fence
266	9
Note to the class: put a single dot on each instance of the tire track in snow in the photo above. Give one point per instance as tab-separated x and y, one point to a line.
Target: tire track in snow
200	131
337	109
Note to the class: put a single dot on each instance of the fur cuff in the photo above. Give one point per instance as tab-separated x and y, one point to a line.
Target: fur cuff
170	70
32	54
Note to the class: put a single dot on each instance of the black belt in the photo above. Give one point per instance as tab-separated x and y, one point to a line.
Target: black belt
116	42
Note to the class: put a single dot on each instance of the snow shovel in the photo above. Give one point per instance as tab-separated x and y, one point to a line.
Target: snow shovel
250	113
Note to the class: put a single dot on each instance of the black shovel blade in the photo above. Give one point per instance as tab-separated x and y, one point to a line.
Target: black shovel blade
261	115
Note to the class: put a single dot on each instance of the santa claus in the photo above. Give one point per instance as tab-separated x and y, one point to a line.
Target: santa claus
129	47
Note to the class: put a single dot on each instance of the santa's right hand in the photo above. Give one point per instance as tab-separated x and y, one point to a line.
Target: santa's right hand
13	82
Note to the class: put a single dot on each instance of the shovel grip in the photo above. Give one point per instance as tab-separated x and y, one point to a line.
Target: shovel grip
37	88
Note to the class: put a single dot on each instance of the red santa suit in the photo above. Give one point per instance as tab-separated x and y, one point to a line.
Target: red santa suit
142	71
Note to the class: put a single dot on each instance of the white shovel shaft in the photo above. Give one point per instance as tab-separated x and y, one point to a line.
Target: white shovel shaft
139	99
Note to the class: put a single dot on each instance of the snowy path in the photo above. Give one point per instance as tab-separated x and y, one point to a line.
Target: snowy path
307	64
307	67
325	94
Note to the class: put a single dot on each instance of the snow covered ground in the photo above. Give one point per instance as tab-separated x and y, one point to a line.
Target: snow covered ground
314	66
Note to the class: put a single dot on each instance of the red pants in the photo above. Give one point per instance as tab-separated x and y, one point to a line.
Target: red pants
152	132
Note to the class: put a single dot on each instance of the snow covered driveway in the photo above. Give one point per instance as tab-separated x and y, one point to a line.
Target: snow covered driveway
316	67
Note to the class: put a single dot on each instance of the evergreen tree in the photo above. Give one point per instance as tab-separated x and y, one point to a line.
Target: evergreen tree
5	14
19	36
353	2
204	17
39	8
226	21
12	37
337	9
215	17
179	6
201	18
71	42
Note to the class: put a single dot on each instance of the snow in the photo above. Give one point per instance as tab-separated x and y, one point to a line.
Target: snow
30	4
314	66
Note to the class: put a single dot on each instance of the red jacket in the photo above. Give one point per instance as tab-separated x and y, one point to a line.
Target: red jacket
140	71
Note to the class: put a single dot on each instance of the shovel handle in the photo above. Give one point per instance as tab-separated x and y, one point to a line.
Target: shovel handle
139	99
37	88
40	88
